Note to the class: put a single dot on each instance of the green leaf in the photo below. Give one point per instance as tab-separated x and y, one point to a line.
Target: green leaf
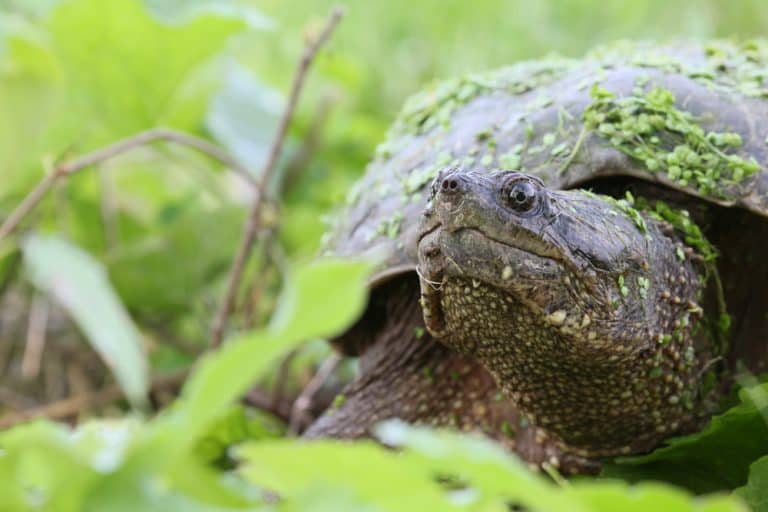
443	471
319	300
226	374
54	468
480	463
363	471
79	283
755	493
124	70
716	458
606	496
162	262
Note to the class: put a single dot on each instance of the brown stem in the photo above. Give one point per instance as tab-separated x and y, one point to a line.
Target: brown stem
253	223
304	401
111	151
79	403
28	204
262	399
33	350
283	372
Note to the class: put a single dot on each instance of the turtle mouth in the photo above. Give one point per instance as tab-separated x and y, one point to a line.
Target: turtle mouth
429	231
439	260
431	271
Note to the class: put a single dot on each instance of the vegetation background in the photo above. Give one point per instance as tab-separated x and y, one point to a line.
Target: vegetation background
135	252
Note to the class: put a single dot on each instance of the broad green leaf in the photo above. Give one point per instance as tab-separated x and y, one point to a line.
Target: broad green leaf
29	91
51	467
319	300
484	466
180	484
243	116
80	284
755	493
479	462
162	262
716	458
488	477
604	496
364	471
125	68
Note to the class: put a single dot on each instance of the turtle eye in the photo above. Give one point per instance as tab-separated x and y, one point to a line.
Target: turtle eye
521	196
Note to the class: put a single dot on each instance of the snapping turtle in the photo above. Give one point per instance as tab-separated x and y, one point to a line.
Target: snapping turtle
572	252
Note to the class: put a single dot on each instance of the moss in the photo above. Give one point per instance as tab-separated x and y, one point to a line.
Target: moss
625	206
507	429
390	227
681	221
643	284
648	127
727	66
623	288
338	401
435	105
418	178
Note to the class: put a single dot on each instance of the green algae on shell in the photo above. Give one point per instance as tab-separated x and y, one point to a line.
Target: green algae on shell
434	106
648	127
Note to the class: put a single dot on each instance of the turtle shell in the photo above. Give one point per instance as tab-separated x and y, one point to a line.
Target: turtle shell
690	117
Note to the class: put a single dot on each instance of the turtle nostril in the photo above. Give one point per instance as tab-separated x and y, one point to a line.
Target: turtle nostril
450	184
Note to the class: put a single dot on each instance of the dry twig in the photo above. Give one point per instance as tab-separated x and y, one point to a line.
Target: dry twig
77	404
304	400
101	155
33	350
254	222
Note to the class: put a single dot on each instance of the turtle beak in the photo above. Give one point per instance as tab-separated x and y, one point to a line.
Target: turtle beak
431	309
431	268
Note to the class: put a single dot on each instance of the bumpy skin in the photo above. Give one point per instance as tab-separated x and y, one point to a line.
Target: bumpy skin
407	374
585	316
547	120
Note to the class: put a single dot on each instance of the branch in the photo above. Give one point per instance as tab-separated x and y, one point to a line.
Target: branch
111	151
304	401
33	350
253	223
79	403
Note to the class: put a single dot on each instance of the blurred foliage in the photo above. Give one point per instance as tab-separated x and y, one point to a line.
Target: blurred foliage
80	285
162	464
161	223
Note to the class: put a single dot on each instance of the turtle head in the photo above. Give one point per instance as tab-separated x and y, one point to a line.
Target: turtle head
558	293
558	255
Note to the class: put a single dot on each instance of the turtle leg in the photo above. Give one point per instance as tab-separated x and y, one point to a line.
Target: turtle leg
406	374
